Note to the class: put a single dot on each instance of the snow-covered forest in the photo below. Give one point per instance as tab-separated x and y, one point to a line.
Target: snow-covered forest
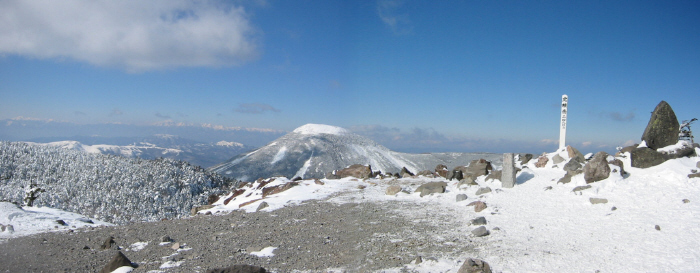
106	187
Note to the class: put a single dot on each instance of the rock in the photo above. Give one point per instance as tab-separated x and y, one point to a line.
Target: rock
357	171
418	260
431	187
405	172
663	128
197	209
628	149
556	159
468	180
694	175
657	227
267	191
541	161
108	243
238	269
525	158
175	246
580	188
461	197
597	168
474	266
480	231
7	228
426	173
481	191
319	182
574	164
392	190
598	200
508	172
118	261
166	239
686	150
478	168
478	221
61	222
212	199
262	205
645	158
619	164
574	153
456	175
441	170
697	165
495	175
686	201
478	206
566	179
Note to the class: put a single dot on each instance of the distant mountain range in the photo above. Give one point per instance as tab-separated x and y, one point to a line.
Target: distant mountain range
165	146
313	150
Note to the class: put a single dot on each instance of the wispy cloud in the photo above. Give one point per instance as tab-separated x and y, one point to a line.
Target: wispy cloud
79	113
132	35
586	143
392	14
116	112
255	108
617	116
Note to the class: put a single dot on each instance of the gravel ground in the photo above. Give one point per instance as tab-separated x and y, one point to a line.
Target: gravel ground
341	233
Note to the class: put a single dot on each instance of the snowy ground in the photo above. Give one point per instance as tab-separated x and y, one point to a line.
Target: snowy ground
537	226
31	220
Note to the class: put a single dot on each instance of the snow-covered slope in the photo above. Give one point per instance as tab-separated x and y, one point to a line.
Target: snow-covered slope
313	150
22	221
165	146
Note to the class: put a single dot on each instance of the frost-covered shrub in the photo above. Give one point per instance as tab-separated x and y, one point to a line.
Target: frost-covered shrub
110	188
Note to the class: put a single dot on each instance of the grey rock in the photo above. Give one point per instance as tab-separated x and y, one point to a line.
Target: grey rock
418	260
481	191
479	221
574	164
405	172
525	158
431	187
480	231
628	149
657	227
694	175
262	205
619	164
474	266
108	243
426	173
461	197
456	175
118	261
684	151
574	153
357	170
645	158
166	239
580	188
479	167
686	201
556	159
467	180
697	165
598	200
61	222
597	168
566	179
494	175
394	189
238	269
662	129
478	206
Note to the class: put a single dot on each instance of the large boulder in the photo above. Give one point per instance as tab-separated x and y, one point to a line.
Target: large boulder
405	173
685	150
541	161
597	169
357	171
524	158
442	170
118	261
478	168
574	165
574	153
662	129
645	158
431	187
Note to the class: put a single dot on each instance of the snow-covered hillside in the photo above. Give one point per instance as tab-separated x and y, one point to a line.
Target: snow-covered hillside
18	221
313	150
157	146
106	187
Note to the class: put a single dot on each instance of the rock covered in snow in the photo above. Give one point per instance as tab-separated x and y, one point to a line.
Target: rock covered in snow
431	187
644	157
663	127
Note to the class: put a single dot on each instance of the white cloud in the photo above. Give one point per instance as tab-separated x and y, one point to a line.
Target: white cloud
390	12
586	143
133	35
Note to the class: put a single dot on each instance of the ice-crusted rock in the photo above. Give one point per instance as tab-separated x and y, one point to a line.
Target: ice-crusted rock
663	127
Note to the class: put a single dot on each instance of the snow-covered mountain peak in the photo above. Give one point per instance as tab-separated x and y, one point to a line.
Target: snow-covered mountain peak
316	129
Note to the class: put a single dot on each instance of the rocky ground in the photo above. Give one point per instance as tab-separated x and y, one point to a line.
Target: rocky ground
342	233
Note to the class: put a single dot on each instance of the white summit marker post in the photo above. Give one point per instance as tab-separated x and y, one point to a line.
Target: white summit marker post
562	128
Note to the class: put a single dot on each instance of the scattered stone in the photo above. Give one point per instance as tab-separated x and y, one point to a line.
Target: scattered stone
619	164
405	172
580	188
574	153
548	188
197	209
166	239
597	168
468	180
645	158
118	261
418	260
441	170
495	175
481	191
267	191
431	187
524	158
478	168
478	221
392	190
598	200
456	175
7	228
474	266
361	187
627	149
426	173
613	208
212	199
575	164
694	175
663	128
249	202
541	161
238	269
480	231
657	227
478	206
86	247
357	171
461	197
61	222
175	246
566	179
108	243
697	164
262	205
686	201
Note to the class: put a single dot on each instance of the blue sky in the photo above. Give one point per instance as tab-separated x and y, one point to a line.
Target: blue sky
451	75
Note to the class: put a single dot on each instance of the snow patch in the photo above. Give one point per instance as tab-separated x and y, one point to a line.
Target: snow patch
265	252
317	129
279	156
